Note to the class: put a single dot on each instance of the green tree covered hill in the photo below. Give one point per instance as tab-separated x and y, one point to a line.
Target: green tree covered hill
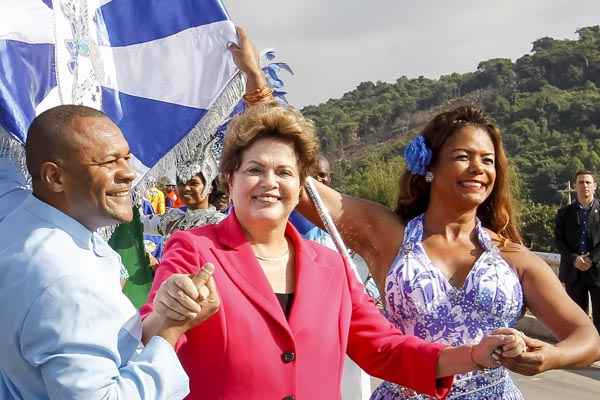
547	104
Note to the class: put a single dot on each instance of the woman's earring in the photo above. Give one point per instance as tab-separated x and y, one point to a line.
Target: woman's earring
429	177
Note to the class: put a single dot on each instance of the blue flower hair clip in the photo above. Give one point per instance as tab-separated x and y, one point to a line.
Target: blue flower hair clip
418	156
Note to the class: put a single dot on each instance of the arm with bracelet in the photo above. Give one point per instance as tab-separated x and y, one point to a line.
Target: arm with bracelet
245	57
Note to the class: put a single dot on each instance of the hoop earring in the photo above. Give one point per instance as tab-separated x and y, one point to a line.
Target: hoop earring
429	177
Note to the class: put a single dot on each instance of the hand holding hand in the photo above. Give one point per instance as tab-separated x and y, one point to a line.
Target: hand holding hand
188	297
482	353
176	298
538	357
583	263
516	343
578	262
587	261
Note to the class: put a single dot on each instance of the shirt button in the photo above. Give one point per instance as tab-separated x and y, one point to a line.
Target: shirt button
290	397
288	357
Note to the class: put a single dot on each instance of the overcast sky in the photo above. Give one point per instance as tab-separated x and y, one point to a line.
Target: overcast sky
333	45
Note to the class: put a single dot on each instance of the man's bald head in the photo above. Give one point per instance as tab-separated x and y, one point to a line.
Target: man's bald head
79	162
51	135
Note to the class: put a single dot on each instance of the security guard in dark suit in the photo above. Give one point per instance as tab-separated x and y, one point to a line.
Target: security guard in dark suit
577	234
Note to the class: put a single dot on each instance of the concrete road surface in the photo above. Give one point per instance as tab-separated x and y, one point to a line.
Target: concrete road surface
581	384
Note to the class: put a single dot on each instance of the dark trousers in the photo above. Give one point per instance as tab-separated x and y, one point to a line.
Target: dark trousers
579	291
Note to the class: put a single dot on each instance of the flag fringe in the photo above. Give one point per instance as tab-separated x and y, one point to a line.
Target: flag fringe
12	149
200	135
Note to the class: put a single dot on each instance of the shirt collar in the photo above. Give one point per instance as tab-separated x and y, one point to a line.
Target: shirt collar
80	234
582	207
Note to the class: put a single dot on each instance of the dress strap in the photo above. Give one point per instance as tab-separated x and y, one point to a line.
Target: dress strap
413	233
484	237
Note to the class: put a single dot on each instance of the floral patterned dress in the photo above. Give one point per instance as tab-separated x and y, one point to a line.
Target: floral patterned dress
420	301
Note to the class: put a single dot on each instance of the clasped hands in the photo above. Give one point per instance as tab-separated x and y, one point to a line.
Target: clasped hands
583	262
503	343
522	354
183	301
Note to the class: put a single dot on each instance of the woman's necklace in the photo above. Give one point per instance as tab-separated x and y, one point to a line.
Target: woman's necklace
274	259
276	270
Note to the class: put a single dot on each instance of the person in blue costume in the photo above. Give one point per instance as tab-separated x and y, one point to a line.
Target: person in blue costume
449	261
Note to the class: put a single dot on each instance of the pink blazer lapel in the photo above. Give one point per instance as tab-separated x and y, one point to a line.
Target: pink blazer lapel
313	278
240	264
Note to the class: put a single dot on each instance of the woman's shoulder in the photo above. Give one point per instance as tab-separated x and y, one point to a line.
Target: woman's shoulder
504	244
516	254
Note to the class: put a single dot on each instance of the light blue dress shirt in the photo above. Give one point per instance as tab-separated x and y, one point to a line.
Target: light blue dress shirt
13	187
67	331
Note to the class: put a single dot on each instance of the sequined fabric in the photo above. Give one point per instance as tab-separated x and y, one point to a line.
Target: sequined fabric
176	219
421	301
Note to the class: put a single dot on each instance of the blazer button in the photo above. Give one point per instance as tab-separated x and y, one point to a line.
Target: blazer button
290	397
288	357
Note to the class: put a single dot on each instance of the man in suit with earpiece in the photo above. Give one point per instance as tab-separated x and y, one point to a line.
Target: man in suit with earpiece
577	234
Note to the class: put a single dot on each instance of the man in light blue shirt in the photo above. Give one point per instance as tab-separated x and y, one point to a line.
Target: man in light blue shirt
67	330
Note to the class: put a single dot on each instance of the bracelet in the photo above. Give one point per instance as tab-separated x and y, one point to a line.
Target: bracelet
475	363
257	95
256	91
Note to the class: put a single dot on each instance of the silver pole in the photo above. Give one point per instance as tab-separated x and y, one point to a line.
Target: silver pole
326	217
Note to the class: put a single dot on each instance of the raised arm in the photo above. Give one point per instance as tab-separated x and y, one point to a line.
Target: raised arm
245	57
579	343
369	228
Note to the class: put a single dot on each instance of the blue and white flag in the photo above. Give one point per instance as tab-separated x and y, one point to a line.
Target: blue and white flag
159	68
208	151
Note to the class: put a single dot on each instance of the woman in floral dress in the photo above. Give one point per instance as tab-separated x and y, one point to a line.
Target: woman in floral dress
449	262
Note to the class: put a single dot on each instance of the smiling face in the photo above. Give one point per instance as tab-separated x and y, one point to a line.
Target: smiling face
190	193
465	171
266	187
96	177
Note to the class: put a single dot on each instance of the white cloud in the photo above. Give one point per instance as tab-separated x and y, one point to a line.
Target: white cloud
333	45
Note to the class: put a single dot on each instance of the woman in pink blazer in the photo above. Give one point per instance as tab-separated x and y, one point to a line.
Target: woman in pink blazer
290	308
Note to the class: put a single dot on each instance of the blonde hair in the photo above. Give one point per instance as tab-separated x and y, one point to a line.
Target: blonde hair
270	121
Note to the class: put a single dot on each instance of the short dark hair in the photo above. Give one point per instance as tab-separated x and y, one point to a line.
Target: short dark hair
584	172
46	136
